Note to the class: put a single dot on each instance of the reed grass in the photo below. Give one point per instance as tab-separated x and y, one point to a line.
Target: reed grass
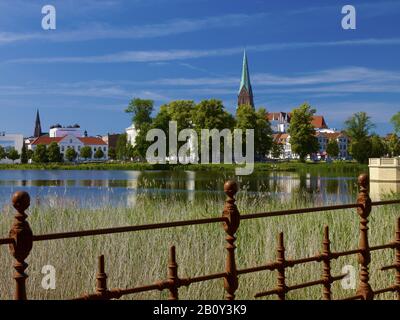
140	258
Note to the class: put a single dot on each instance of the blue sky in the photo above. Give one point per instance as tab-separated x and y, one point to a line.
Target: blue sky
105	52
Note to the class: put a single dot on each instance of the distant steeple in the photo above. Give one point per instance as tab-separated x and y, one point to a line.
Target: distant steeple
38	128
245	91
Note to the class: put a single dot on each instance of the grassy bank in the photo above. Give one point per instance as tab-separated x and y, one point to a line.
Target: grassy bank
338	167
141	258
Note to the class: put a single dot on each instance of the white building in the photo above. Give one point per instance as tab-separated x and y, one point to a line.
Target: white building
8	141
341	138
131	134
58	131
73	142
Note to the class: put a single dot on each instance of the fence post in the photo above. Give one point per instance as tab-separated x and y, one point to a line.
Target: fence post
231	213
398	258
281	261
101	278
326	259
364	257
23	238
173	274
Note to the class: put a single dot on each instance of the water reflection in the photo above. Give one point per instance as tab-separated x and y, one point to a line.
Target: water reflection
123	187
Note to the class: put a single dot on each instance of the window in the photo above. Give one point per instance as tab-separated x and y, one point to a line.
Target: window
62	148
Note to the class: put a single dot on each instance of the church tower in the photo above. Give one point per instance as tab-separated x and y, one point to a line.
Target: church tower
38	128
245	92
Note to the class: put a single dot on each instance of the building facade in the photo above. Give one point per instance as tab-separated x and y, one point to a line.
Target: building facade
75	143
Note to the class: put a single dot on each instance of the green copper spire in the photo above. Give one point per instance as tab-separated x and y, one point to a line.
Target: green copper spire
245	91
245	81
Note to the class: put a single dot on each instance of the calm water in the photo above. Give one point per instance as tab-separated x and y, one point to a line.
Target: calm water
121	188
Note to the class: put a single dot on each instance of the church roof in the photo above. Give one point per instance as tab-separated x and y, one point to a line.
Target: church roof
245	80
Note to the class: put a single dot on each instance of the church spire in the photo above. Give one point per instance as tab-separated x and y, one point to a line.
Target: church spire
38	128
245	90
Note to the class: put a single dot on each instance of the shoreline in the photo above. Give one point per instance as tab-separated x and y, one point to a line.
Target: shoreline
258	167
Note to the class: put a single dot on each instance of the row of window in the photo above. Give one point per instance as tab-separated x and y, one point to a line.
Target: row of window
79	148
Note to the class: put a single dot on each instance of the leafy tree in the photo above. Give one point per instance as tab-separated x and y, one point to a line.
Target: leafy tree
361	149
263	133
86	152
141	110
359	126
24	154
121	148
302	132
276	150
393	145
378	147
29	154
248	118
3	153
13	155
53	152
332	149
141	144
99	154
71	154
112	154
40	154
211	114
395	120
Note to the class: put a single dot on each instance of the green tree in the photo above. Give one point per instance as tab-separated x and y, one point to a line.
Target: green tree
378	147
141	144
302	132
99	154
121	148
86	152
393	145
40	154
71	154
53	152
13	155
332	149
248	118
29	154
24	154
112	154
361	149
395	120
358	126
276	150
211	114
3	153
141	110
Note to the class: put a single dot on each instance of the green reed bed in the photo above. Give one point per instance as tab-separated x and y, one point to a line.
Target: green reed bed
140	258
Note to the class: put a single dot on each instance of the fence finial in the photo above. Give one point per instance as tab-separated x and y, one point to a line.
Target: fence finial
364	257
398	258
232	215
23	238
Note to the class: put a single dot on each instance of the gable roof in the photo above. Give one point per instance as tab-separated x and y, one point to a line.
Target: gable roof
46	140
92	141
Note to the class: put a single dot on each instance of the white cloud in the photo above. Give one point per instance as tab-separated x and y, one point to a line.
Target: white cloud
171	55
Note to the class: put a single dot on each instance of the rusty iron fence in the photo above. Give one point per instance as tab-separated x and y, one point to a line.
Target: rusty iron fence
21	240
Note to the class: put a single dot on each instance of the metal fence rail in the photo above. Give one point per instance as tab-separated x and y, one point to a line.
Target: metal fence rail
21	240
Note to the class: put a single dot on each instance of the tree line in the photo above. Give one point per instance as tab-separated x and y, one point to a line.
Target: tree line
211	114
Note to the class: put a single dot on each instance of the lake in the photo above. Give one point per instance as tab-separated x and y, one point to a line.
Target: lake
121	188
